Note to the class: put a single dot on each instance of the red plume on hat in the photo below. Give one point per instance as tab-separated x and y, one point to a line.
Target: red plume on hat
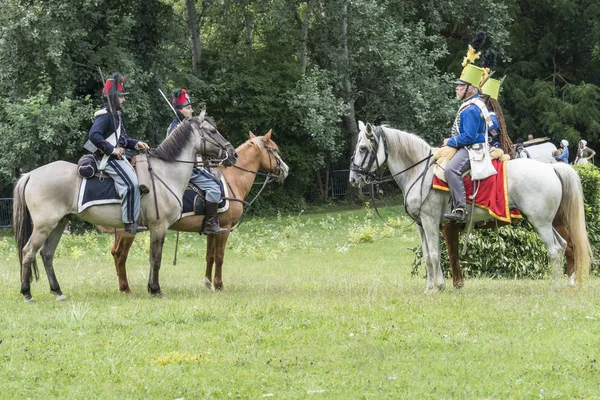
114	85
180	98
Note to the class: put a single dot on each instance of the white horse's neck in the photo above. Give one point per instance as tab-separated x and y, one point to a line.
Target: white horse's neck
406	150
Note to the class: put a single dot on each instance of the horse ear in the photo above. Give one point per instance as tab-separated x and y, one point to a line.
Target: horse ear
361	126
202	114
252	135
369	128
268	135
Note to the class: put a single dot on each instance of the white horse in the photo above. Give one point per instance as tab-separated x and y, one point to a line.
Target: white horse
542	192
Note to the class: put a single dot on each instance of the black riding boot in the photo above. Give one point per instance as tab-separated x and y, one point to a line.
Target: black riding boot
458	215
211	224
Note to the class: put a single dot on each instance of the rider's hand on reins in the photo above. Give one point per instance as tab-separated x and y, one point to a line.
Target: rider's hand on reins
118	152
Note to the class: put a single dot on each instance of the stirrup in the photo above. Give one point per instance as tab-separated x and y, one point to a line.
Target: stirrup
458	215
144	189
134	228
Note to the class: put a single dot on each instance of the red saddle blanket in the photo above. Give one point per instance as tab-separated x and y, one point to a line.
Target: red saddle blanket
492	194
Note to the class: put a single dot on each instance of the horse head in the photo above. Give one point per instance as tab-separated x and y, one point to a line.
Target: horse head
270	161
369	154
211	143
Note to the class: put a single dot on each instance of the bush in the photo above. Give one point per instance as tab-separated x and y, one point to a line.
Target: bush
590	181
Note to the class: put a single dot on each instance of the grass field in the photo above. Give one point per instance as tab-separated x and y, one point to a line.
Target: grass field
319	306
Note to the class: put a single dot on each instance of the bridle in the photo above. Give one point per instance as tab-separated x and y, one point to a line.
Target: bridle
376	176
268	179
205	137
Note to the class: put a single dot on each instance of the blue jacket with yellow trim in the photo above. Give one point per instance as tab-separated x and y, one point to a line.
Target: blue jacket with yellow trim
471	127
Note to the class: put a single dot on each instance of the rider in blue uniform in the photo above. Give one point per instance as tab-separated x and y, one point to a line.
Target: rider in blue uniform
108	141
469	128
201	178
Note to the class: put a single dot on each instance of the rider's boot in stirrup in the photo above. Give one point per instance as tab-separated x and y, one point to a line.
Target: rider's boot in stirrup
458	215
211	224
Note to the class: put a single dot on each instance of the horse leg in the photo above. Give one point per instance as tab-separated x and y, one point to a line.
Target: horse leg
451	232
157	240
563	231
120	252
35	242
210	260
219	258
555	245
47	252
429	233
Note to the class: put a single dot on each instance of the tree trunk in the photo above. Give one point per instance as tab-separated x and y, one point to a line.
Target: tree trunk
349	119
194	27
304	23
247	24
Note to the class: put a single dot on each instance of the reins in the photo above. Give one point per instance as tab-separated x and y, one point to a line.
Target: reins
378	180
264	185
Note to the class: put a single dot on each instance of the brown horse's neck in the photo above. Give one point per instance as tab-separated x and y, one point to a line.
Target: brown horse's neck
241	181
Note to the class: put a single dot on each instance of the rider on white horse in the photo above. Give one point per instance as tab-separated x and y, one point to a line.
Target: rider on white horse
469	129
108	141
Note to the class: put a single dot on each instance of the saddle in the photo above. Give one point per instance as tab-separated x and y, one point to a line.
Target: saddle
194	199
443	155
492	193
96	187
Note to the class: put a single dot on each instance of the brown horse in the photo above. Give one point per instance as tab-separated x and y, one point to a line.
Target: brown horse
451	234
256	154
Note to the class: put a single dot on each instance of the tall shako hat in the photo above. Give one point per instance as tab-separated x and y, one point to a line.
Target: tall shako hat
114	85
471	74
180	99
113	88
489	86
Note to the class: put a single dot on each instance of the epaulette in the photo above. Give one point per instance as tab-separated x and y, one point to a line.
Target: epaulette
100	112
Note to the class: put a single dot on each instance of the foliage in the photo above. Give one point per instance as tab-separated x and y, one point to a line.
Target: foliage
377	60
590	181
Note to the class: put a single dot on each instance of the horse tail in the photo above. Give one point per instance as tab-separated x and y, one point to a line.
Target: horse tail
571	211
22	222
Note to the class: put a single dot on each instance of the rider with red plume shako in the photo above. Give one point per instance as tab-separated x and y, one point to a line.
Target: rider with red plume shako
108	141
200	178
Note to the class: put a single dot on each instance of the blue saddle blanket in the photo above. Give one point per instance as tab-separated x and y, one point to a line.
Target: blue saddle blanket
192	205
96	191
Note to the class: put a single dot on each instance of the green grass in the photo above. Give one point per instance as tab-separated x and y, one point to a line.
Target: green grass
317	306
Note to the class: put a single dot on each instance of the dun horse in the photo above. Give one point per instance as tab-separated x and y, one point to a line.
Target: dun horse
256	154
45	197
546	194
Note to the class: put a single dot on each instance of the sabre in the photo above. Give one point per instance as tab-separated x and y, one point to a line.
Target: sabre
170	105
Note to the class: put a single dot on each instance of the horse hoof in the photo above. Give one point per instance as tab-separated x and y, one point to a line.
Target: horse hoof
29	299
208	284
61	297
127	291
157	295
459	284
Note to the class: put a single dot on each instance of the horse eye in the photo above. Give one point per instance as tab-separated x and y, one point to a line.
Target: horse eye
362	148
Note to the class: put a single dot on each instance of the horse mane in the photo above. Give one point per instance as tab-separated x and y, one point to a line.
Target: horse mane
170	148
407	147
